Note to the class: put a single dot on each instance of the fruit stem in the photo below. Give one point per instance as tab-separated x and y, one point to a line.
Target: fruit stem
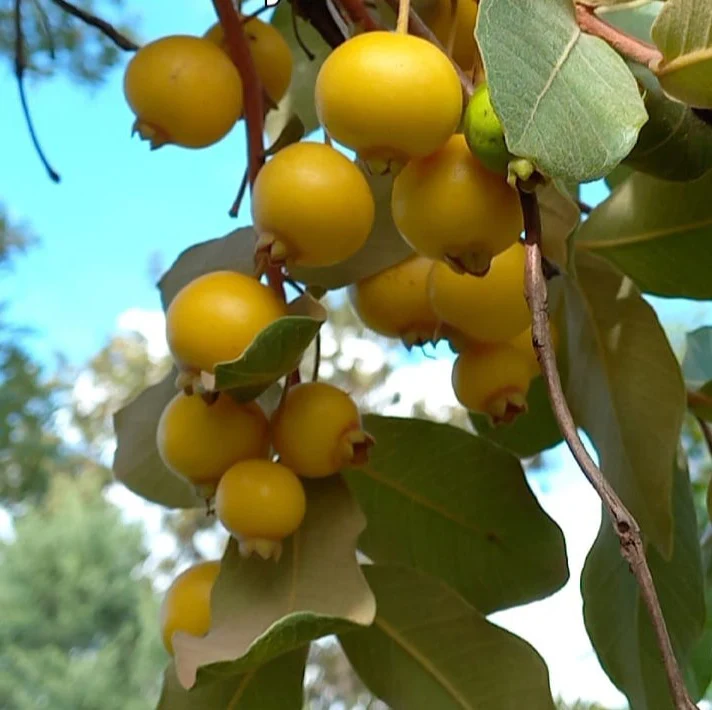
403	17
624	524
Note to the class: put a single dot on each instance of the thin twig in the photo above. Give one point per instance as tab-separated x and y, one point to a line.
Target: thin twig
317	357
584	207
624	524
20	66
235	209
706	430
625	44
106	28
46	28
698	399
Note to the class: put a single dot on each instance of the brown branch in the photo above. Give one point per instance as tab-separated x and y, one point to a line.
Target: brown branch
317	14
624	524
625	44
706	430
356	10
106	28
20	66
698	399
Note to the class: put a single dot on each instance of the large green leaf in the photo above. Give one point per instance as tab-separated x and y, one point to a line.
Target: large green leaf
429	649
682	33
567	101
626	390
657	233
616	618
385	246
697	370
299	99
261	609
137	463
635	19
456	506
277	685
700	671
560	216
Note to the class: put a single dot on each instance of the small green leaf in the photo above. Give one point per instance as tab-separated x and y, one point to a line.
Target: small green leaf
617	619
626	390
234	251
385	246
428	649
137	463
567	101
261	609
454	505
275	352
299	99
277	685
682	33
697	363
292	132
657	233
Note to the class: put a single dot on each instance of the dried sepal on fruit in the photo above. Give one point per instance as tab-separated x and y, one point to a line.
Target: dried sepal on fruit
169	85
260	503
199	440
317	430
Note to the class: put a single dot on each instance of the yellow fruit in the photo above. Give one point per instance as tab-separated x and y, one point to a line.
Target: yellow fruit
216	316
439	18
270	53
183	90
395	302
186	604
493	380
311	206
260	503
449	206
388	96
523	342
485	309
199	442
317	430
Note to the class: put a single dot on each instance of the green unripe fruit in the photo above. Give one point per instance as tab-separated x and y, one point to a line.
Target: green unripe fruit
484	133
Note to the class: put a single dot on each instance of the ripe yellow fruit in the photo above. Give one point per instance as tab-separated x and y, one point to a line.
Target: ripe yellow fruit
183	90
260	503
449	206
485	309
439	17
395	302
270	53
388	96
215	317
494	380
523	342
317	430
186	605
311	206
199	442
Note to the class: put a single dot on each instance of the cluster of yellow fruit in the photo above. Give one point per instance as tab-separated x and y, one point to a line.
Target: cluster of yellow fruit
224	448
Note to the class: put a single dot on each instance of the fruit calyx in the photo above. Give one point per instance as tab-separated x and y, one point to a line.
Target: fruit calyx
266	549
473	263
354	447
271	251
156	136
505	406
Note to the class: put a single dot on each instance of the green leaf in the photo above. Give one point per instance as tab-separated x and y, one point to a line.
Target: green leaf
682	33
234	251
617	619
626	390
697	363
292	132
275	352
277	685
618	176
657	233
456	506
700	668
261	609
636	20
299	99
560	216
385	246
530	433
675	144
429	649
137	463
566	100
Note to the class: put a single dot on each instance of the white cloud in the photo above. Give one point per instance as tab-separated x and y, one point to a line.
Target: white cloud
151	324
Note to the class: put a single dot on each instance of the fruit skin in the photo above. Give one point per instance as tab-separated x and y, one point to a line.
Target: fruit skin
484	309
395	302
438	17
524	343
492	379
449	206
311	206
260	503
216	316
270	53
317	430
484	132
186	604
388	96
169	83
199	442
